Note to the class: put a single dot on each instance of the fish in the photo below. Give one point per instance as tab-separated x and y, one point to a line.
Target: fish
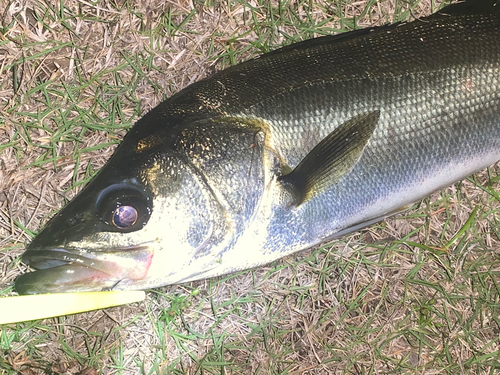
281	153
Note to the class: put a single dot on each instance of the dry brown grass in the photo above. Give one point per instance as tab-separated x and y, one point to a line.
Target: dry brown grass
366	304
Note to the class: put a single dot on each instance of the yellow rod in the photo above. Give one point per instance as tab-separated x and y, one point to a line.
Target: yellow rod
41	306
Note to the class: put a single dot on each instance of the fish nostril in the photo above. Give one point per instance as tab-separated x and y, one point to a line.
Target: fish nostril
72	221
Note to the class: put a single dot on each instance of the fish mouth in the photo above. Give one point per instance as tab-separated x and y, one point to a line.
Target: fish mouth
76	270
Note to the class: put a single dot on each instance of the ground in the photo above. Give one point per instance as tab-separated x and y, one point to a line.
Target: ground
417	293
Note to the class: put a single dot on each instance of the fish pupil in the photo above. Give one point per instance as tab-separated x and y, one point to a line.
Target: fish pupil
125	216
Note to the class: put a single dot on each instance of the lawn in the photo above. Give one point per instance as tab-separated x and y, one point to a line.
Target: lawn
417	294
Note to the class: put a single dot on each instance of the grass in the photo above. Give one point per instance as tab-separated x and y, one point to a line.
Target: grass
418	293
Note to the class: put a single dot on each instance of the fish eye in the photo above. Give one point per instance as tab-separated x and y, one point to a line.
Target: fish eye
123	208
125	216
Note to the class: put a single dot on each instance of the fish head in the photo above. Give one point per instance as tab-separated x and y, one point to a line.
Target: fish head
162	211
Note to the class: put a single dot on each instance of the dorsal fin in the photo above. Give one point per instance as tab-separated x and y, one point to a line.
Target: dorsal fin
467	7
328	39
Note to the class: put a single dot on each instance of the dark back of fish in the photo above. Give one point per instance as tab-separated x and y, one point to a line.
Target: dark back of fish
435	82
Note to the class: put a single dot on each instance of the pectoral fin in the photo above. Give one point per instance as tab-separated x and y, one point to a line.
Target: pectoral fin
331	159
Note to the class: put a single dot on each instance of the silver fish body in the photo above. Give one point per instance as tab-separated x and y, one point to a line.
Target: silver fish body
282	153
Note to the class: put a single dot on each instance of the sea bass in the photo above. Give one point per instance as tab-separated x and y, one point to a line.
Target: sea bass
282	153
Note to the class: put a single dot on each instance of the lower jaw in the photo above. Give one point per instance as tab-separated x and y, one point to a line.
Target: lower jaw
67	278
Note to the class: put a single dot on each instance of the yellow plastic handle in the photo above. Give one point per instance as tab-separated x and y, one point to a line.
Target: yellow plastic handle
41	306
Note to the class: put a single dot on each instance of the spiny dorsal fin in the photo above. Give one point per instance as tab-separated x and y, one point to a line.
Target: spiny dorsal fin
332	158
469	7
324	40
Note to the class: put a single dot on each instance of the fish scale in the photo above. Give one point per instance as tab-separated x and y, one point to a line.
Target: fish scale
281	153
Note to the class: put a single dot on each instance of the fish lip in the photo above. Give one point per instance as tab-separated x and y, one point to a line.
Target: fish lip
50	258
